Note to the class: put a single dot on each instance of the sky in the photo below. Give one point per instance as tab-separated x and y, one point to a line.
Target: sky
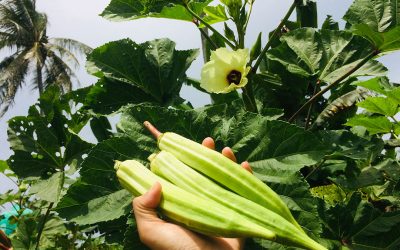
80	20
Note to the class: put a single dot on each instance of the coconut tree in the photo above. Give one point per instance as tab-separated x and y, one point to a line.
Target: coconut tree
31	56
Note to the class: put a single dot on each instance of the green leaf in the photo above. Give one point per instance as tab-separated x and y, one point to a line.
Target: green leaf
49	189
87	204
119	10
43	142
256	49
397	129
326	55
53	227
380	15
331	194
384	42
3	166
361	225
98	197
155	67
108	95
101	128
307	14
374	125
394	94
346	145
229	33
379	105
215	14
131	237
25	235
377	84
378	21
330	24
9	196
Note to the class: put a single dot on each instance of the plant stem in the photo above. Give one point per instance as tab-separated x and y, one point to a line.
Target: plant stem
310	108
272	38
340	79
204	35
209	26
249	14
41	228
248	98
315	169
8	177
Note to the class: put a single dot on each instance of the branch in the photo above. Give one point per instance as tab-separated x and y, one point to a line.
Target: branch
272	38
209	26
320	93
41	228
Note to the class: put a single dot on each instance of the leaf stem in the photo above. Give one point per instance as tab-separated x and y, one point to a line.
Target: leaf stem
207	37
209	26
310	108
315	169
248	98
8	177
251	2
340	79
41	228
272	38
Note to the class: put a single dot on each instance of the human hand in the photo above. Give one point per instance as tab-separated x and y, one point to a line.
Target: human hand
158	234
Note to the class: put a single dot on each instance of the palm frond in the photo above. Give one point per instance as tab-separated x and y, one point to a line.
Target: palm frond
13	70
58	72
72	45
18	17
64	53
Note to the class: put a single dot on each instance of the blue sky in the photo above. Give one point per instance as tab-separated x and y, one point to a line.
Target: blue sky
80	20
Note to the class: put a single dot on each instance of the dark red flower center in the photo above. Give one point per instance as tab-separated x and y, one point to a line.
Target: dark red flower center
234	77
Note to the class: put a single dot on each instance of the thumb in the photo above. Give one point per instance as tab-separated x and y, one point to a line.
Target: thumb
144	206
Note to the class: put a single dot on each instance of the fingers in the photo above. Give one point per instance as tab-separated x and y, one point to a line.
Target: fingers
209	143
246	165
227	152
144	207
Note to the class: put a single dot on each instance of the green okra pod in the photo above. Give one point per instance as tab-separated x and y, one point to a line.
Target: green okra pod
167	166
223	170
196	213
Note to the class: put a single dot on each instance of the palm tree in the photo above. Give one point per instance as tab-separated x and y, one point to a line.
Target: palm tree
49	60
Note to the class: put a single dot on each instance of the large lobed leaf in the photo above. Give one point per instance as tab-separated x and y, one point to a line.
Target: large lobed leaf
45	142
98	197
123	10
154	68
378	21
326	55
361	226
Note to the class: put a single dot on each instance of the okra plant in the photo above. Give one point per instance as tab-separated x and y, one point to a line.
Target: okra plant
309	105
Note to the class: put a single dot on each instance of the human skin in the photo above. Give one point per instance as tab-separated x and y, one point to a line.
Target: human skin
158	234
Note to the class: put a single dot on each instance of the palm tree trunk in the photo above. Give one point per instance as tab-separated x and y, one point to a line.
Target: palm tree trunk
39	77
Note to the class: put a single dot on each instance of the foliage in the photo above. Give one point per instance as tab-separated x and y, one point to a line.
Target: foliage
23	33
340	178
